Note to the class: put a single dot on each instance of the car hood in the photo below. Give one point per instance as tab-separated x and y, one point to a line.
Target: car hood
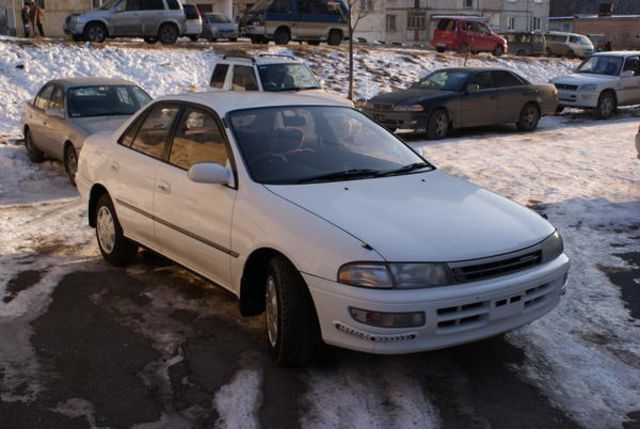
409	95
582	78
94	14
431	216
95	124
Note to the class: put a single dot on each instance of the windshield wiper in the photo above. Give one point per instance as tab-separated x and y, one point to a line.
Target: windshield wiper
405	169
339	175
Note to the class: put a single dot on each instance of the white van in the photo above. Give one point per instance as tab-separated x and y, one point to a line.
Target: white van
571	45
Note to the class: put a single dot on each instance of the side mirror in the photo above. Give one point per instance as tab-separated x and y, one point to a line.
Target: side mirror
210	172
473	87
55	113
627	73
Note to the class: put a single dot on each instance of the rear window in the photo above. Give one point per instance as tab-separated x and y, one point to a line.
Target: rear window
173	4
446	25
190	11
218	76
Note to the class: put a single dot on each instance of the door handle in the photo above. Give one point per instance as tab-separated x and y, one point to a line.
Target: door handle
115	166
164	187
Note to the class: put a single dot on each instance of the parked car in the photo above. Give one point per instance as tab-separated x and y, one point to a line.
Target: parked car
268	73
570	45
153	20
526	43
314	214
66	111
464	34
301	20
602	83
217	27
193	22
638	142
464	97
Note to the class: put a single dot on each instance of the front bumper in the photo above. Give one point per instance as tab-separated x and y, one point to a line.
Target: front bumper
577	99
454	314
392	119
73	28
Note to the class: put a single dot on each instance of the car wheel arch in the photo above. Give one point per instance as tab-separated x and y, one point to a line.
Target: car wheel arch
97	191
99	22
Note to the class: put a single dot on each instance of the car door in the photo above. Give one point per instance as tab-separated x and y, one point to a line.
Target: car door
481	107
52	141
193	220
513	94
134	168
151	15
36	116
126	19
629	92
483	36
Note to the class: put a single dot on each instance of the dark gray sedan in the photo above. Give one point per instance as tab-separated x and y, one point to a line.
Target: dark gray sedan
66	111
464	97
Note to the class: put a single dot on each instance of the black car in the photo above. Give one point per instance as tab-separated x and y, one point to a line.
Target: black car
464	97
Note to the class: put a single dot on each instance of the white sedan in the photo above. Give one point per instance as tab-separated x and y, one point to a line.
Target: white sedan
313	213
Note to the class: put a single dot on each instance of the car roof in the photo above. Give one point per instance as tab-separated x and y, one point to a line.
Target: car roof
265	58
618	53
226	101
475	69
90	81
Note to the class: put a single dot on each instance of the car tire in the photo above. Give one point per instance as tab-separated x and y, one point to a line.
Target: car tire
168	34
95	32
571	54
529	118
606	105
498	51
282	36
437	125
35	155
71	162
290	317
115	248
334	38
440	50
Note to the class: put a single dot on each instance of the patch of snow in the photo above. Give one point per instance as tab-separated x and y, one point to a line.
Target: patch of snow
238	402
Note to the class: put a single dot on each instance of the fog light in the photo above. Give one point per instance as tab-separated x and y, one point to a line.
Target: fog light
388	320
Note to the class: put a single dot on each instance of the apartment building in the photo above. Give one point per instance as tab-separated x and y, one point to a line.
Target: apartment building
413	21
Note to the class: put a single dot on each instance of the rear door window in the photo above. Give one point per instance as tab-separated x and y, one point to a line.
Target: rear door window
152	5
57	99
173	4
502	79
152	136
632	64
42	99
483	79
218	76
446	25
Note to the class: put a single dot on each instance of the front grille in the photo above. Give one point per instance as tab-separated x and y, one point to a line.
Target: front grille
382	106
566	86
483	270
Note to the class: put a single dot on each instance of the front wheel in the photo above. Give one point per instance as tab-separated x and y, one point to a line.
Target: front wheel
282	36
335	38
291	321
95	32
498	51
437	125
606	105
71	163
116	249
529	118
34	154
168	34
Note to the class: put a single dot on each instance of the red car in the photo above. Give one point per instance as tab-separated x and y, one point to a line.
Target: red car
464	34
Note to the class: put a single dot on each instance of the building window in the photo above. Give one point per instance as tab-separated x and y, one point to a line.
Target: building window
467	4
536	22
391	23
366	5
511	23
416	21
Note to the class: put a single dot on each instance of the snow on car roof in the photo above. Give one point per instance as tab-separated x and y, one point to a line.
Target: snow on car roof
90	81
226	101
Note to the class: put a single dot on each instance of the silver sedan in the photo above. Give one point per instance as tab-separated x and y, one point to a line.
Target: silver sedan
66	111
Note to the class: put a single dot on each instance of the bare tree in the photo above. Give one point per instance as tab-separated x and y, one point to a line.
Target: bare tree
358	9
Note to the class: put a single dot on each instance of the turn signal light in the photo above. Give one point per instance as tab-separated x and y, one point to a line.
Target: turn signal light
388	320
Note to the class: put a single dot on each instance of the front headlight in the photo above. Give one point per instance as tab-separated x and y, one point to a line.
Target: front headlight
408	108
552	247
368	104
395	275
589	87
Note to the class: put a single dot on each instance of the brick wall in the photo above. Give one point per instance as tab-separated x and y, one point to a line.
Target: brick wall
624	32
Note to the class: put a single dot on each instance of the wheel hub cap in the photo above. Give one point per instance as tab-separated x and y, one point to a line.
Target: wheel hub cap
106	229
272	311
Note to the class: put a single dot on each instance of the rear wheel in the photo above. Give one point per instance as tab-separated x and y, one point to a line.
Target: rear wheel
95	32
71	162
529	118
290	316
437	125
116	249
334	38
571	54
440	49
168	34
282	36
34	154
606	105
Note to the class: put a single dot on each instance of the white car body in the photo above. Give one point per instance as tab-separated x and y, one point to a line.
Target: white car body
319	227
584	90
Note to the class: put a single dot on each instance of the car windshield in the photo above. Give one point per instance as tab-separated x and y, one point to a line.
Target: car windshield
604	64
105	100
109	4
584	40
286	77
217	19
444	80
295	145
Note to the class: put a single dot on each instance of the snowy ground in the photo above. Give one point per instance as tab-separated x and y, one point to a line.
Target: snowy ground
154	346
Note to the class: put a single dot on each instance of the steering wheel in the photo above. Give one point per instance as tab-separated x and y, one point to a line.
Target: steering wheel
265	157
